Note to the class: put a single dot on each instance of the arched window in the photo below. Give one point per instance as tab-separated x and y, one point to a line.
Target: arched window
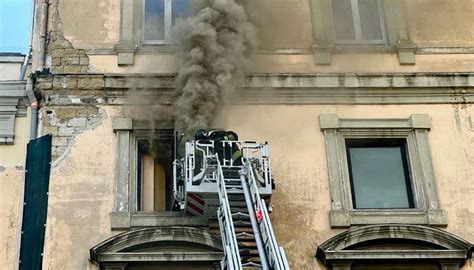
393	246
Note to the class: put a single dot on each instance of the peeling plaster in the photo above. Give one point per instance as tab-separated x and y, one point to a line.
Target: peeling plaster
93	121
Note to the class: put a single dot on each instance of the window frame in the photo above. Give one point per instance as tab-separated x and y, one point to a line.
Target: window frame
397	38
414	130
131	34
168	20
125	213
358	28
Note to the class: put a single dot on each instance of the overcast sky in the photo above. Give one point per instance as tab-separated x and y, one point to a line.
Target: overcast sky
15	16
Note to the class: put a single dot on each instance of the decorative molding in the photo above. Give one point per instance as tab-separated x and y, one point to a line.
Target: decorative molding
166	219
332	88
415	131
171	49
126	247
126	45
12	104
422	244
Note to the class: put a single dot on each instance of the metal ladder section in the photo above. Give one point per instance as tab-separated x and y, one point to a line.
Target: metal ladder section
246	230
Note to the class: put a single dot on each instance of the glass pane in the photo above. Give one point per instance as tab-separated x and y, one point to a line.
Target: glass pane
154	20
370	20
379	177
181	9
343	20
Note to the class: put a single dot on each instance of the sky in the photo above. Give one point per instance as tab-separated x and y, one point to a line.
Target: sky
15	24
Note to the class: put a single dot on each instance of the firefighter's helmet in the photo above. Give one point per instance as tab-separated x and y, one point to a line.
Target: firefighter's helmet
201	134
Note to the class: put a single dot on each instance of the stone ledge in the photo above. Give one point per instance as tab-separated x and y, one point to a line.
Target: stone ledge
309	80
167	219
126	220
342	218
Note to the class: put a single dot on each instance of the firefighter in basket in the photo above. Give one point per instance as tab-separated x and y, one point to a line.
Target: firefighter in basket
224	151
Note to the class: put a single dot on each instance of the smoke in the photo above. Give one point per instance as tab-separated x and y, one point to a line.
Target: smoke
213	47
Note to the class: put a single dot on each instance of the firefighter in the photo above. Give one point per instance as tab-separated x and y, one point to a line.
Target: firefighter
225	151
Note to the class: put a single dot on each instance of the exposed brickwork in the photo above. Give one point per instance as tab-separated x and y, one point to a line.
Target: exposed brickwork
65	122
63	57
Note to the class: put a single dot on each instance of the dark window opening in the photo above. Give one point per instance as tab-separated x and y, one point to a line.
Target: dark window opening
154	174
379	173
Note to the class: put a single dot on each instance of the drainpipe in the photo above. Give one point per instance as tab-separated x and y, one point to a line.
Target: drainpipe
43	33
34	109
41	63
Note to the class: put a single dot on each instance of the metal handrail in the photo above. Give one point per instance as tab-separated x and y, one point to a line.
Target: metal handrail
276	258
229	239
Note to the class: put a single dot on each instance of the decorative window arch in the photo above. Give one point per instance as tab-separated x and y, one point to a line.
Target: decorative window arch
159	246
406	245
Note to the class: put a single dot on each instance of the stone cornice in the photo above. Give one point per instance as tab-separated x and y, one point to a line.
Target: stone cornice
343	88
12	97
422	243
309	80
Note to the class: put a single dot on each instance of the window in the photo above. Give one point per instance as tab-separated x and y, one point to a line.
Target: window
380	171
360	25
154	189
379	174
358	21
150	22
158	18
143	176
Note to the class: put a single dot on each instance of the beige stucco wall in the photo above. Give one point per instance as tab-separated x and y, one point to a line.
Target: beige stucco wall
301	200
286	29
11	181
441	23
287	24
81	186
12	160
92	23
281	23
81	198
14	154
300	63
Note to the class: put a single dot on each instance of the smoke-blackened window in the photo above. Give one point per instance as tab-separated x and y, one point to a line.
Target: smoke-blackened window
358	22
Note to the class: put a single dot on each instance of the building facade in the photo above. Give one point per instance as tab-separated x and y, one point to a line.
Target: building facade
366	106
14	135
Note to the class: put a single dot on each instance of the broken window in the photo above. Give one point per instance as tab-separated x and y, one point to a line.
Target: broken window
159	16
358	22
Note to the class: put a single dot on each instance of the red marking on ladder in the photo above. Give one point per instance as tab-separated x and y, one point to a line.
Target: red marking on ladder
196	198
195	208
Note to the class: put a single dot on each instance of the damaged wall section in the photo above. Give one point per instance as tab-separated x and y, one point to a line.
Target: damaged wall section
69	107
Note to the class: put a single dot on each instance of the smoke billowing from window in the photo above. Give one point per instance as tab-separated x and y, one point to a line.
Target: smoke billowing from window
213	45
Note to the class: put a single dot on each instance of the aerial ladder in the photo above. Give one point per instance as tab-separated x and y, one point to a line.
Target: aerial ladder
209	182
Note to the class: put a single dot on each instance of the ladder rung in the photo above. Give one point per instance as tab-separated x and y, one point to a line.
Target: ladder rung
245	235
240	214
252	264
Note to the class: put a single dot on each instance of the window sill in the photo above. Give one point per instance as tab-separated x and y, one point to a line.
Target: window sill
341	218
146	49
126	220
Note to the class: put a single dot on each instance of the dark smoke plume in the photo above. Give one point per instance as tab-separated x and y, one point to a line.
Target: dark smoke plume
213	47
